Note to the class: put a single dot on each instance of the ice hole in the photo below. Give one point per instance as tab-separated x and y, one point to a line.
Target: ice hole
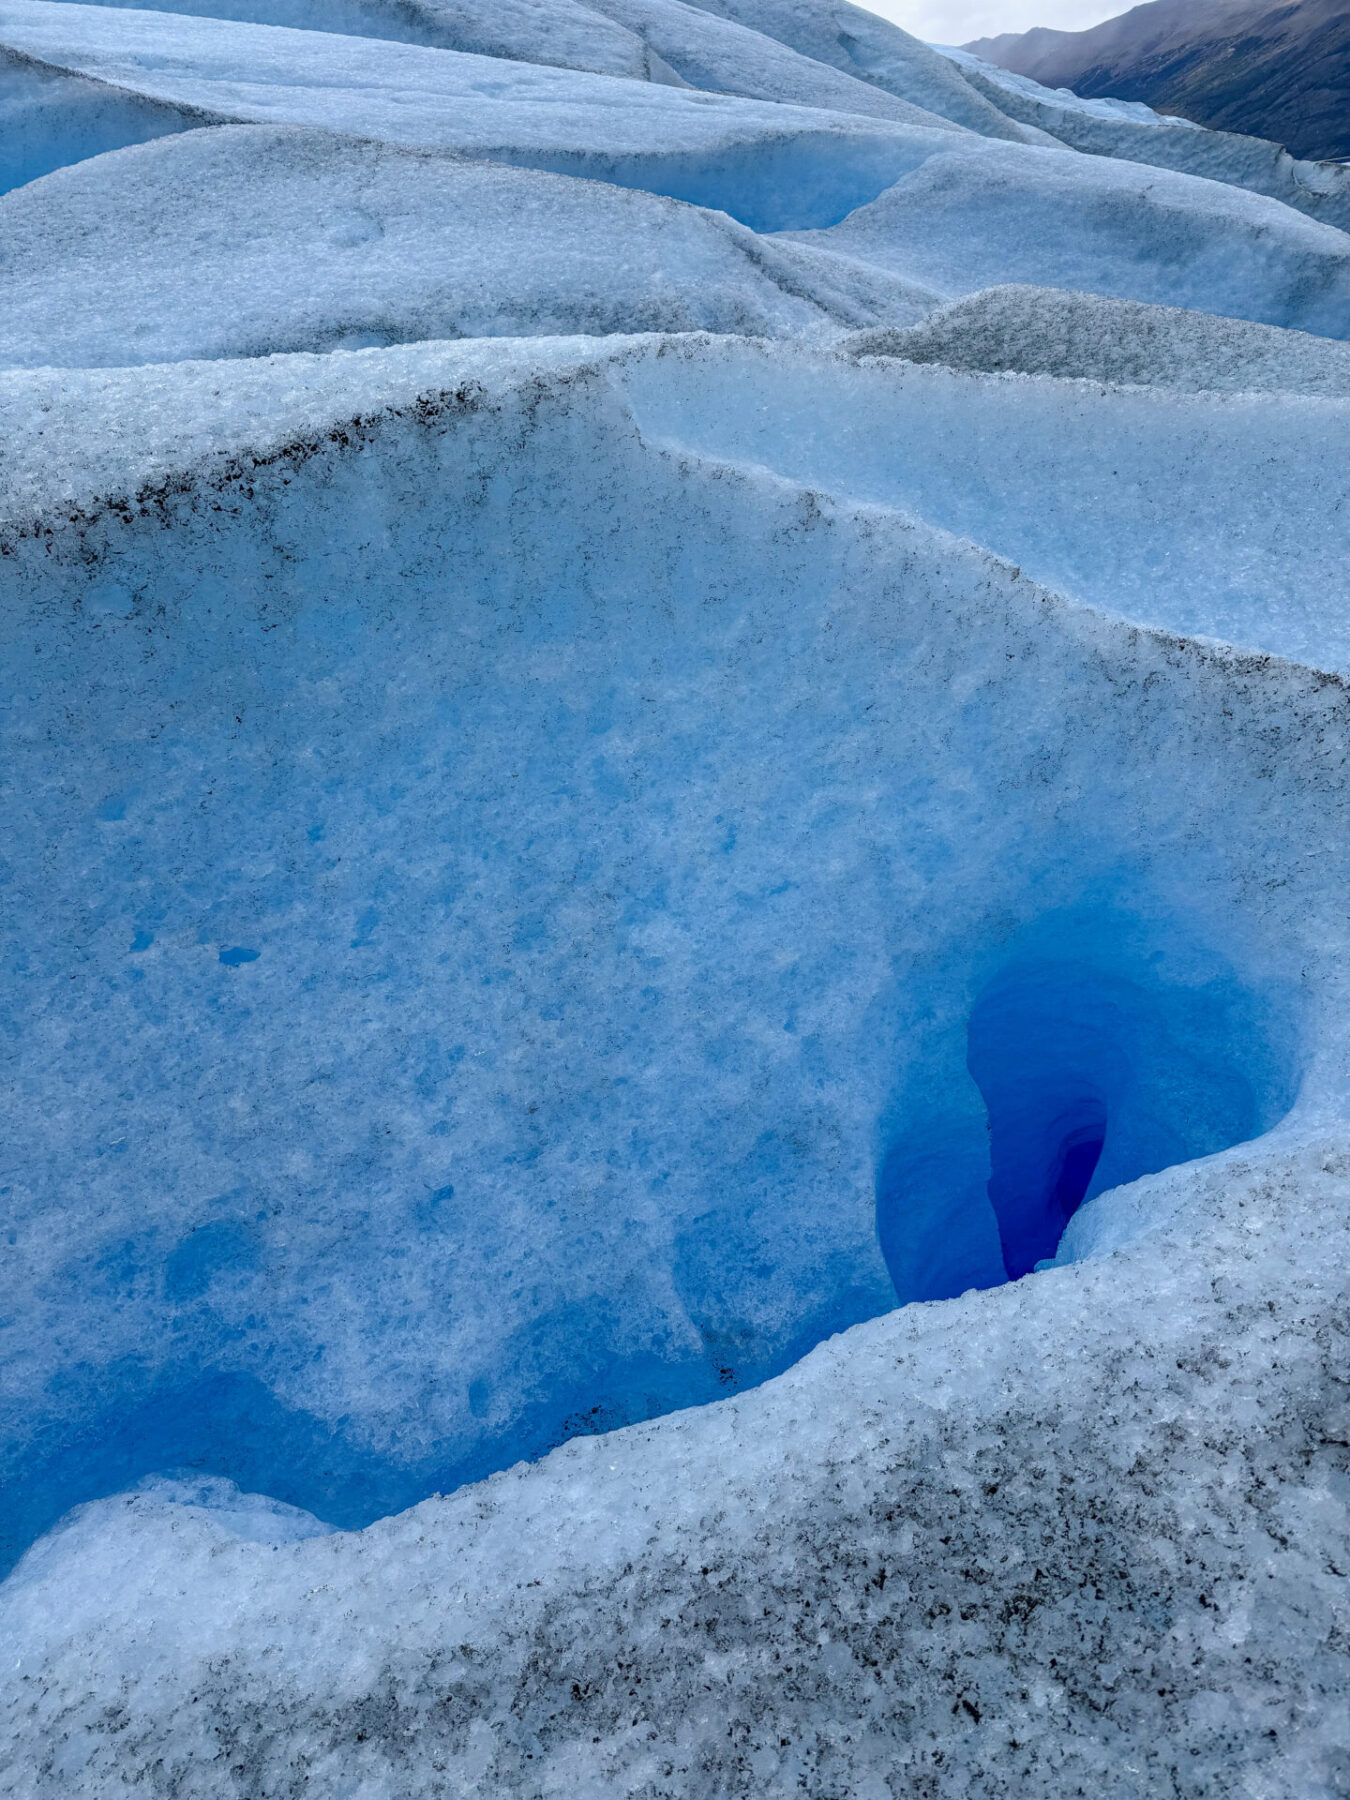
1048	1052
1088	1070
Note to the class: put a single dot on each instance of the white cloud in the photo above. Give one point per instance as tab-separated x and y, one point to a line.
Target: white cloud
957	21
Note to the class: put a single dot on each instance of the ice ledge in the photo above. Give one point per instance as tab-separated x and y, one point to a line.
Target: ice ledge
1120	498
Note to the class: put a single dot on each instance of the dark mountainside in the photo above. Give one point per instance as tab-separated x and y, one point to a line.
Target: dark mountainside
1280	72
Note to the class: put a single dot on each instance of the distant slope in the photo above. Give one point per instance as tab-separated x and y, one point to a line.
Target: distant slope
1275	71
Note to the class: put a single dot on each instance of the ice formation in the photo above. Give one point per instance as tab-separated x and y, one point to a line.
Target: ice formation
249	240
676	957
1132	130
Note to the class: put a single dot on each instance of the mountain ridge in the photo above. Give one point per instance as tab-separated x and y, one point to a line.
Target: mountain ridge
1277	71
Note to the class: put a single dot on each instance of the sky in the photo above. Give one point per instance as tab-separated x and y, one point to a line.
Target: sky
957	21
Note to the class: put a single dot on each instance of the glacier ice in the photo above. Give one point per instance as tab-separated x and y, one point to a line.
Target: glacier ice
1047	331
1121	497
859	43
974	214
1129	129
566	34
772	166
650	707
717	55
287	239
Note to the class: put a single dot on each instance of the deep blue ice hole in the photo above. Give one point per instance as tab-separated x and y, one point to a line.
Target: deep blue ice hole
1087	1058
1093	1068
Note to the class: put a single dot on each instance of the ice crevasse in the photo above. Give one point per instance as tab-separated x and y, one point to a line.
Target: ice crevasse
674	933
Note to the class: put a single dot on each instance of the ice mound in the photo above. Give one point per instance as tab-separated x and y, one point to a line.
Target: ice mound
1045	331
566	34
289	239
975	214
558	868
874	50
769	165
720	56
745	51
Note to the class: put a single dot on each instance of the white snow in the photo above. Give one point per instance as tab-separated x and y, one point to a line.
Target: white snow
675	968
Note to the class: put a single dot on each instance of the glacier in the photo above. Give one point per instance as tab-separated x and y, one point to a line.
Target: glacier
675	947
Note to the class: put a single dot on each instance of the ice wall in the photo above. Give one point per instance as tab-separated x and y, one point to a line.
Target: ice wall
772	166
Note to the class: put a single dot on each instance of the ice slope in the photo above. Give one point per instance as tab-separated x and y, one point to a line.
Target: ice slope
1224	516
976	214
873	49
1047	331
249	240
507	891
720	56
661	40
48	118
545	875
566	34
1129	129
955	212
768	165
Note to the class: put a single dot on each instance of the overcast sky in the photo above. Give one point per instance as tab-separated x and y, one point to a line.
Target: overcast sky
957	21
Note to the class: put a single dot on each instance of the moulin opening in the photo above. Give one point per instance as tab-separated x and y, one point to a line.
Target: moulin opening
1048	1049
1083	1071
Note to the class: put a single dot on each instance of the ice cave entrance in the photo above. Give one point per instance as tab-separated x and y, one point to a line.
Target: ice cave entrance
1090	1071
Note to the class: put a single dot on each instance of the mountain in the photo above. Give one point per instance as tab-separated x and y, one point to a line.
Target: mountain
1280	72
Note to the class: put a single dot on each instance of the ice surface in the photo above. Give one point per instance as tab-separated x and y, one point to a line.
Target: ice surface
769	165
662	40
567	34
860	43
285	239
1045	331
1129	129
544	875
721	56
861	65
48	118
976	214
642	1000
1123	498
759	1570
